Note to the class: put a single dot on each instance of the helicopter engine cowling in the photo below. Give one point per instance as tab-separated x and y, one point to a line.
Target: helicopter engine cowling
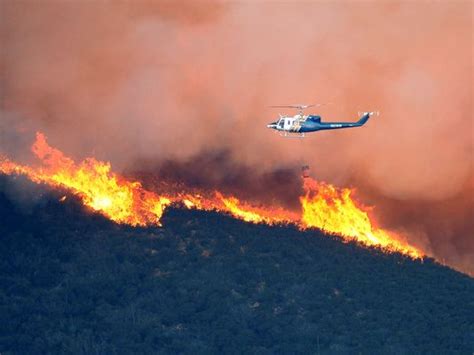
314	118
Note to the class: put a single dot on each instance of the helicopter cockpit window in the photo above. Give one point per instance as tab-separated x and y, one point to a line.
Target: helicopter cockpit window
281	123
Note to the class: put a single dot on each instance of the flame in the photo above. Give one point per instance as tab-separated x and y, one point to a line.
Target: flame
93	181
238	209
123	201
333	210
249	213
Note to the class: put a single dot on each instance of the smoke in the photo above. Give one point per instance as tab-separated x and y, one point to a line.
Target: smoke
168	82
217	170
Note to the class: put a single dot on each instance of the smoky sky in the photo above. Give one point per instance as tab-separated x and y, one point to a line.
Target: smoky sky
167	82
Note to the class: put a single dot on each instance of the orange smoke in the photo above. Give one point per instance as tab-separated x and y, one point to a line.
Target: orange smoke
323	206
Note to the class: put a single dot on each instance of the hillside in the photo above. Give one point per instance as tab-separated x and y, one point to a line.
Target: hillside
73	282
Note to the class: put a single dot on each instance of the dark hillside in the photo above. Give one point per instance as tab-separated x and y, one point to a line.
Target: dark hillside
72	282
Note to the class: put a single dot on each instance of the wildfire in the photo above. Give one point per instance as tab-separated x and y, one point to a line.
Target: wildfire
237	208
93	181
333	210
324	206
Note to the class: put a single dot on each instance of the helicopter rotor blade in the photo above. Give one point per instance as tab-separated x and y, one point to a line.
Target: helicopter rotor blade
283	106
299	107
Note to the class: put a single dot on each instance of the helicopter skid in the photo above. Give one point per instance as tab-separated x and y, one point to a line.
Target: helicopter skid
292	135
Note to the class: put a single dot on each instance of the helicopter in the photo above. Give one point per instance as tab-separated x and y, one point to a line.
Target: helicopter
299	124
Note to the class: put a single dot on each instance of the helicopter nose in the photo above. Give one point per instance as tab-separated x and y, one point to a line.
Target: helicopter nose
271	125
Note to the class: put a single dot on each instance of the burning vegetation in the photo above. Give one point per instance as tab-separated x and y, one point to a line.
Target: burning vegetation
324	206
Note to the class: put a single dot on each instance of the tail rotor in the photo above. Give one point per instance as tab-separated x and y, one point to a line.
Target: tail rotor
371	113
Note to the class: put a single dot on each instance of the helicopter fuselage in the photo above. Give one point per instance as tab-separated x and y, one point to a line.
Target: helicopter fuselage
312	123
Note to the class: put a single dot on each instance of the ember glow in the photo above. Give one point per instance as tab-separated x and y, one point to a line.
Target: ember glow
324	206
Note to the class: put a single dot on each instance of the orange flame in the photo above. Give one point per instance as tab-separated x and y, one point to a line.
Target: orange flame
238	209
118	199
333	210
123	201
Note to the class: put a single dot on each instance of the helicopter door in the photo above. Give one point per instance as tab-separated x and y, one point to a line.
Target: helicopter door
287	123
